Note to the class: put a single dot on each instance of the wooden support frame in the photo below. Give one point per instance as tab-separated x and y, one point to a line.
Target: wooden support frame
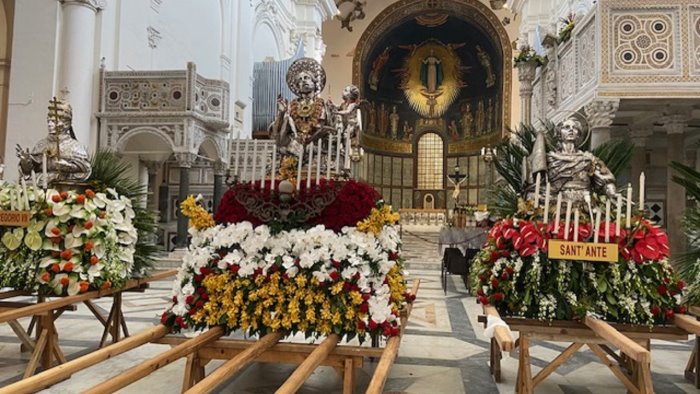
692	325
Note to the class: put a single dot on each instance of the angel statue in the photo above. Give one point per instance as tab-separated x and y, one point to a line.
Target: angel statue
349	117
305	118
59	153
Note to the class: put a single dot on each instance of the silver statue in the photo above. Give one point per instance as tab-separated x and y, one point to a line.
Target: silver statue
66	159
570	171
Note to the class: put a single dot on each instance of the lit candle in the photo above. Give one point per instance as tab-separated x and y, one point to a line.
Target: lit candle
245	162
628	222
273	168
596	231
337	152
567	220
301	160
237	143
618	215
318	162
330	156
576	217
311	166
641	191
255	162
24	193
558	213
537	189
546	203
44	165
607	220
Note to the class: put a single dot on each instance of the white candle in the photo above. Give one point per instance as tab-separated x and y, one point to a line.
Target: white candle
641	191
347	150
523	171
618	215
273	168
558	213
576	218
301	160
337	153
44	165
567	221
263	166
25	193
628	222
546	203
245	162
607	220
537	189
11	194
35	186
237	143
596	231
330	156
318	162
311	166
255	162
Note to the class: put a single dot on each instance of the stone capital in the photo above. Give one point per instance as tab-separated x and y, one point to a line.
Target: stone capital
220	167
185	159
95	5
526	71
640	136
675	124
600	113
152	166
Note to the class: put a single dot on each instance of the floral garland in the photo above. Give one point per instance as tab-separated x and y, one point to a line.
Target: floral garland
513	273
75	242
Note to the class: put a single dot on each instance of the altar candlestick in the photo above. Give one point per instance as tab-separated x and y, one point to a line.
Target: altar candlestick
318	162
596	231
255	162
557	214
245	162
311	166
576	218
337	152
618	215
44	172
628	222
235	155
546	203
273	168
607	221
25	193
330	156
567	221
642	179
301	160
538	179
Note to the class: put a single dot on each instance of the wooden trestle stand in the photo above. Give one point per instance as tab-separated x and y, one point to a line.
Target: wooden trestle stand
238	353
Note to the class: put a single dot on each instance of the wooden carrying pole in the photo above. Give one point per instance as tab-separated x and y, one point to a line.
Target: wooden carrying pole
146	368
391	350
627	346
688	323
230	367
305	369
501	334
64	371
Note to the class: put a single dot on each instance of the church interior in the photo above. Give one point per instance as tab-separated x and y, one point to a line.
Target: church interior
325	196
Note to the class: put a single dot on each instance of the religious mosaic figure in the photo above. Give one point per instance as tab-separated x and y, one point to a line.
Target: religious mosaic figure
431	72
372	124
407	131
394	123
480	117
383	120
452	130
66	159
467	119
305	118
489	116
571	171
485	61
377	66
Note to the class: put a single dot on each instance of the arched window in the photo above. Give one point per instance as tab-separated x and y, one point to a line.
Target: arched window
430	162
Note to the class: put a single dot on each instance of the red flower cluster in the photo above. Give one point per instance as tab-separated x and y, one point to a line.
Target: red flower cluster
647	242
526	237
353	203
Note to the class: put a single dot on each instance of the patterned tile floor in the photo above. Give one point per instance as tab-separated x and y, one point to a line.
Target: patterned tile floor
443	351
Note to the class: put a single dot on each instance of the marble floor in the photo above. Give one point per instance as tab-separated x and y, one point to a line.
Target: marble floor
444	349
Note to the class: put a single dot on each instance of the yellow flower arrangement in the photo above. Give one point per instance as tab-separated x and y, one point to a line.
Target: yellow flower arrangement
288	169
377	219
199	217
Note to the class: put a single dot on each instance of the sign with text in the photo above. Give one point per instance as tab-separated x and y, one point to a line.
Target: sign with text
586	251
15	218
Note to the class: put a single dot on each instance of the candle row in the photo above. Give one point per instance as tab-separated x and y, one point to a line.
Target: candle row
19	197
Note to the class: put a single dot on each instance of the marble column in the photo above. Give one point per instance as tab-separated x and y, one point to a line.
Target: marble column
184	161
639	138
152	188
675	126
600	114
526	74
220	168
76	63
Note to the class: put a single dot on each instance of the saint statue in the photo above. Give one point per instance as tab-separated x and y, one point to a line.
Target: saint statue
66	160
431	73
485	61
467	119
394	123
305	118
377	66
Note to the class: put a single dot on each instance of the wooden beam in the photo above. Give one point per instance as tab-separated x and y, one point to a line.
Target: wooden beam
348	376
505	341
22	335
558	361
690	324
614	368
63	371
632	349
305	369
149	366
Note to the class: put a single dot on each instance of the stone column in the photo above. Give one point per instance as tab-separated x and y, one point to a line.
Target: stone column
526	74
184	161
675	126
600	114
76	67
219	172
152	189
639	138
